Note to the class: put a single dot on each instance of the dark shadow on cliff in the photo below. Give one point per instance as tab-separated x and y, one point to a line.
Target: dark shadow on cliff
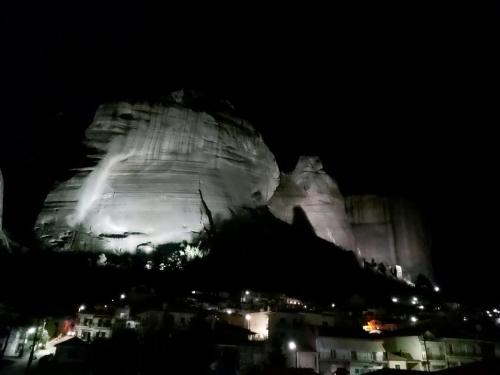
256	250
252	250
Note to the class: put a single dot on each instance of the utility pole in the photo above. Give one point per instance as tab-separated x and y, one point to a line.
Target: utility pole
426	354
32	351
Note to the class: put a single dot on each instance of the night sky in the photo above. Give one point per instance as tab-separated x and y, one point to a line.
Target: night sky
390	98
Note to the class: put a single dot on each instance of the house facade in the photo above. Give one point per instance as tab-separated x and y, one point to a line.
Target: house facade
92	325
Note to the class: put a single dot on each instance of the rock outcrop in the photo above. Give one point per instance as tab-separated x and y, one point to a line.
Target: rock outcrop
390	231
159	168
164	171
317	194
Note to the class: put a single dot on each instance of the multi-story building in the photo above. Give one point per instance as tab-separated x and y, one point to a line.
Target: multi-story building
357	355
459	352
100	323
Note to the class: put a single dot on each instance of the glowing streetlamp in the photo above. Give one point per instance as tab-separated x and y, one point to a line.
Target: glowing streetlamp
395	299
247	292
333	305
292	346
421	307
81	308
413	319
122	296
437	289
248	317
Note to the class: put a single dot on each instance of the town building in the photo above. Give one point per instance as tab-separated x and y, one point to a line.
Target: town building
100	323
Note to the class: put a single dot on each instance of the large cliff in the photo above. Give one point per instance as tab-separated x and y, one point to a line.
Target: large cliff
161	170
311	189
390	231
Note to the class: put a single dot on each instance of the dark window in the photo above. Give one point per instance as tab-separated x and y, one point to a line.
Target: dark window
397	367
353	355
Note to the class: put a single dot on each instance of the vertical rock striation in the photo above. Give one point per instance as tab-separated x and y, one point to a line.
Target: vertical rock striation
162	172
390	231
153	164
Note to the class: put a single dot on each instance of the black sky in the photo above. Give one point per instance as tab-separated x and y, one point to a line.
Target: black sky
391	98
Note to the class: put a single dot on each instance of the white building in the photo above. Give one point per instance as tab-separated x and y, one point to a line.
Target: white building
100	324
16	343
280	324
358	355
428	353
463	351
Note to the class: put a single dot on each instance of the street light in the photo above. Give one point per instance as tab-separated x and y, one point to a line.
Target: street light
248	317
292	346
395	299
81	308
122	296
437	289
413	319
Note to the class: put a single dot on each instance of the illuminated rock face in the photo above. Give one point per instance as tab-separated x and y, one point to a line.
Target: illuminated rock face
317	194
154	166
390	231
161	169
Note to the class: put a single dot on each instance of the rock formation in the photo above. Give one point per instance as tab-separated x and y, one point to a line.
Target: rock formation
159	168
317	194
164	171
390	231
